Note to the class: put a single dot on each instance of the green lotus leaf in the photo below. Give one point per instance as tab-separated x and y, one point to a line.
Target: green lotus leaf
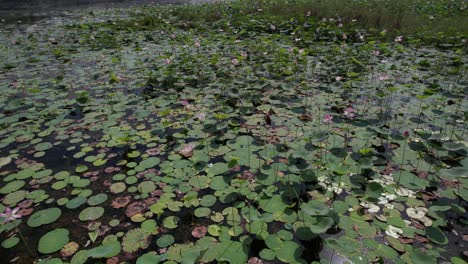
214	230
146	187
171	222
53	241
436	235
149	162
202	212
418	256
200	182
208	200
13	198
80	257
118	187
4	161
10	242
91	213
76	202
135	239
12	186
218	183
150	258
44	217
165	241
374	190
106	250
43	146
97	199
289	252
267	254
273	242
315	208
273	204
232	251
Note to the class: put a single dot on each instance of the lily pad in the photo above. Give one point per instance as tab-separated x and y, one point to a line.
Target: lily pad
44	217
91	213
53	241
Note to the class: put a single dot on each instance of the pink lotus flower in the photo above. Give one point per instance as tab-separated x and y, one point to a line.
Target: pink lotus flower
10	214
406	134
399	39
167	61
349	113
197	44
376	52
339	78
201	116
244	54
328	119
383	77
272	27
185	102
235	61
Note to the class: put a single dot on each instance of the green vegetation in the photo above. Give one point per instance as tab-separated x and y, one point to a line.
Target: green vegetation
240	132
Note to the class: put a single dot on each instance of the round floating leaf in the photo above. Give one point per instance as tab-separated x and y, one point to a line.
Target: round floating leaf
165	241
12	186
134	154
436	235
273	242
106	250
418	257
80	257
202	212
289	252
44	217
321	225
10	242
267	254
75	202
43	146
200	182
214	230
374	190
208	200
315	208
13	198
4	161
146	187
97	199
285	235
135	239
149	162
81	168
218	183
171	222
91	213
274	204
150	258
118	187
53	241
149	226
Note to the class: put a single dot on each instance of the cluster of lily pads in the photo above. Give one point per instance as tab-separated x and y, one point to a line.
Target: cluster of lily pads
129	136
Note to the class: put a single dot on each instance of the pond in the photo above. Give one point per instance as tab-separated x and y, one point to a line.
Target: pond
188	134
28	11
